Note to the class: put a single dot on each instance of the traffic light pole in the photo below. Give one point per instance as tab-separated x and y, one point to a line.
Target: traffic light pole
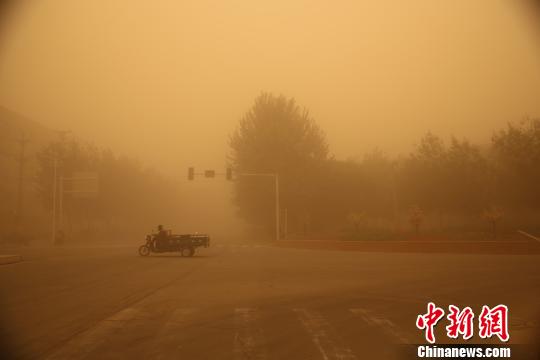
228	174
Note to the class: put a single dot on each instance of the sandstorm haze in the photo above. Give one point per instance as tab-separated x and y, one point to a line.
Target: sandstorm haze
377	167
167	81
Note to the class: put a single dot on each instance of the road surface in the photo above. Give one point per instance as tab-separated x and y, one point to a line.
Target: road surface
248	301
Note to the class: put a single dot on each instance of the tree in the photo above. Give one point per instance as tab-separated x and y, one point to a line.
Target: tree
445	179
467	173
517	156
377	184
356	219
493	215
416	217
423	175
130	197
276	136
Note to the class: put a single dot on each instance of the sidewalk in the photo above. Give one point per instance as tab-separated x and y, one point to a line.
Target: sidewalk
411	246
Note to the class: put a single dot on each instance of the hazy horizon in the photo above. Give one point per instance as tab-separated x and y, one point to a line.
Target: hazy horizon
150	81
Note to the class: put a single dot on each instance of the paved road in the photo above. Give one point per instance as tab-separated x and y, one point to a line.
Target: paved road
248	302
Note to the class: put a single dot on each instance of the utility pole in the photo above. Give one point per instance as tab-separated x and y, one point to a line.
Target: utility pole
54	200
276	181
20	190
285	224
61	204
55	157
394	197
58	185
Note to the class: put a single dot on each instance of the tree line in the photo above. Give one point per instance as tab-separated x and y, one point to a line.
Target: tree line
130	198
439	186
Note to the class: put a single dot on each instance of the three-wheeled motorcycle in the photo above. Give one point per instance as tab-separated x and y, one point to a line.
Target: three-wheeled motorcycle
166	242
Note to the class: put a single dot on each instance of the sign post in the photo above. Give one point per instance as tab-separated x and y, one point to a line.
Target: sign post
80	184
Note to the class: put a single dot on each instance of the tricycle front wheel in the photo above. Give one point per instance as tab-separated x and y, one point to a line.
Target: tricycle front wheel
144	250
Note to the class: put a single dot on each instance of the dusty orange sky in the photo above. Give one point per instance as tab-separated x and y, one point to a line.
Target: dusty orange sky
167	81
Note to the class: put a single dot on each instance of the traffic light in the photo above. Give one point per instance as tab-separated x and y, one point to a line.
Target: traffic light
229	174
209	173
191	173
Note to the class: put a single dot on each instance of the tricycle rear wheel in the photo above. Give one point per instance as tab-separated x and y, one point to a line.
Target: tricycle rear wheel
187	252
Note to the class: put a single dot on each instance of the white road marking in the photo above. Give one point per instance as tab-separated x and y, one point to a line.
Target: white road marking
81	345
384	324
249	338
169	332
323	336
528	235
